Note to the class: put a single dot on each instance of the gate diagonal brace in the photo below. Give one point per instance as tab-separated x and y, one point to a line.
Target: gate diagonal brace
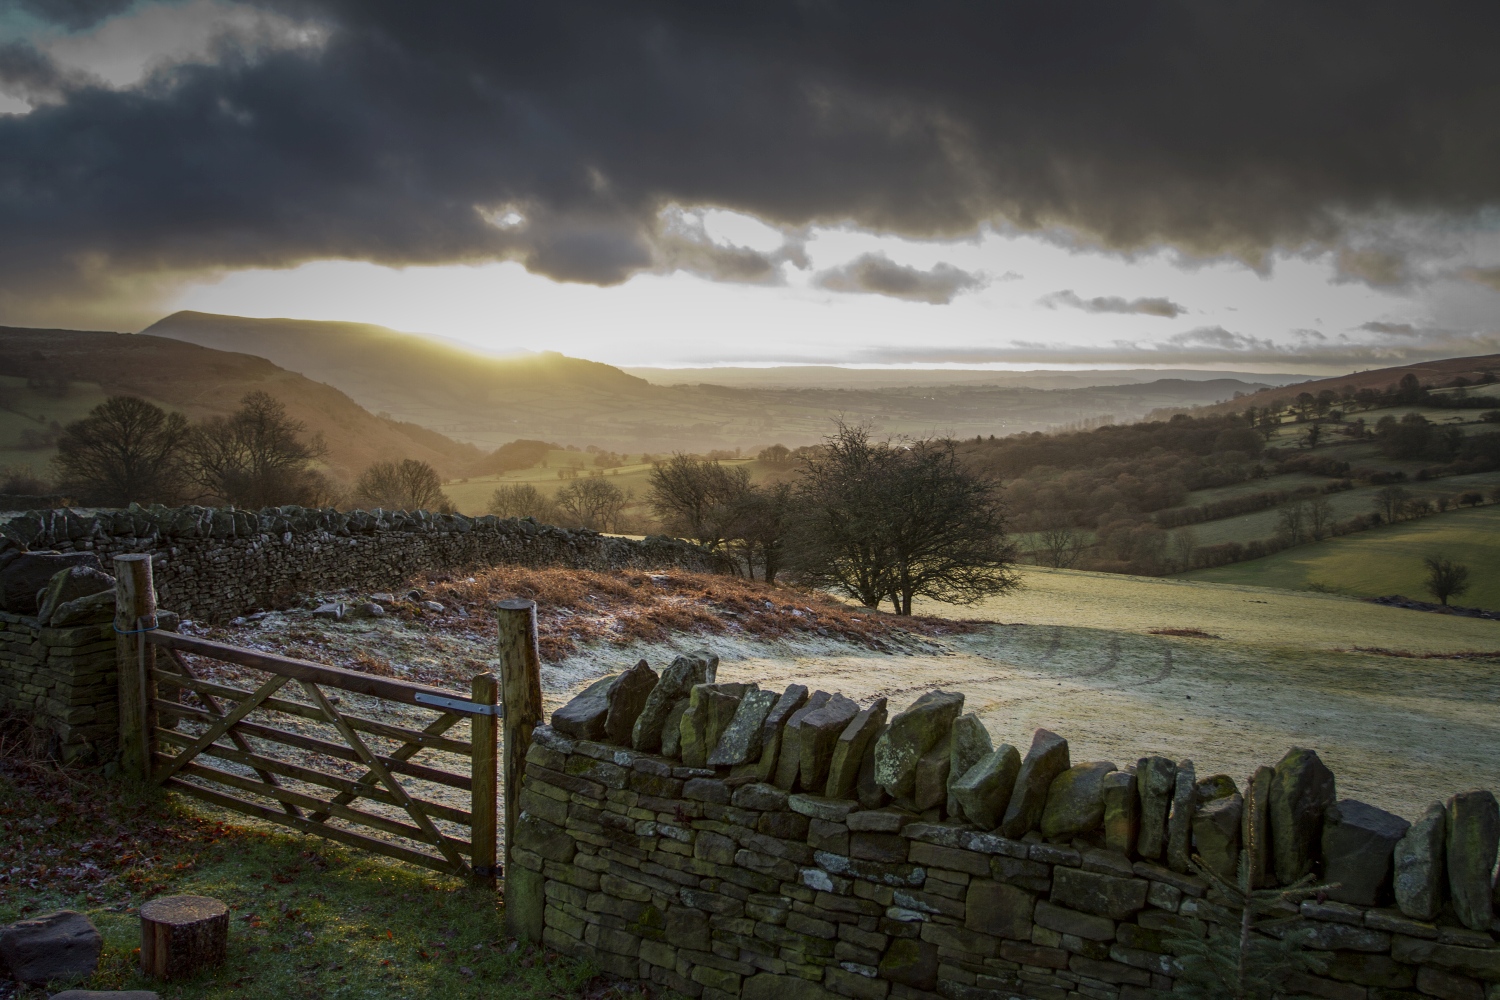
219	728
405	752
419	817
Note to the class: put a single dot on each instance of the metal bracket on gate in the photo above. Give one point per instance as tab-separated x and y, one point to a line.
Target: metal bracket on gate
458	705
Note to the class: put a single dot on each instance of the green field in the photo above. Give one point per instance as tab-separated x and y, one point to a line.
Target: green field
24	409
1384	560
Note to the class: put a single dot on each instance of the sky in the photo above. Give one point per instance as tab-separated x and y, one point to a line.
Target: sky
1266	187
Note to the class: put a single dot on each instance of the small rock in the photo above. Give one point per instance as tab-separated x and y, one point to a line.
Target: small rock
383	598
1473	837
911	734
1359	841
1047	758
432	606
369	609
1215	786
1156	777
1075	801
59	945
626	697
332	610
1180	820
857	737
970	742
1122	812
1419	868
1302	789
984	790
1216	833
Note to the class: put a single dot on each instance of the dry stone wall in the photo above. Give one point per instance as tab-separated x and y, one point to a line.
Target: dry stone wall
62	678
724	841
215	563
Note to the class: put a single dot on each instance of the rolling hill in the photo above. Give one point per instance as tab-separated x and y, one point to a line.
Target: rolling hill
1427	372
200	382
490	400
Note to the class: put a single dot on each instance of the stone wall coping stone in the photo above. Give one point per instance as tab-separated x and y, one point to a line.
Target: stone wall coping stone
1395	921
818	807
1189	884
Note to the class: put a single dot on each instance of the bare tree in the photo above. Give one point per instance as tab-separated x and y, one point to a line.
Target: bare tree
1390	501
594	503
1292	522
522	500
697	498
125	450
1061	545
256	457
406	485
761	525
1180	549
1319	518
1445	578
882	521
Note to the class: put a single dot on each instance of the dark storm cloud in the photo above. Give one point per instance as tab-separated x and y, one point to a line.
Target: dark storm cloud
74	14
875	272
1215	128
1163	307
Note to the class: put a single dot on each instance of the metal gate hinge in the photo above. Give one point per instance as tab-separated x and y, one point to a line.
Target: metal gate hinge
458	705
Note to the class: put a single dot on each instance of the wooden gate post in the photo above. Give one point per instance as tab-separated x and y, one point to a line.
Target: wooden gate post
485	691
135	609
521	678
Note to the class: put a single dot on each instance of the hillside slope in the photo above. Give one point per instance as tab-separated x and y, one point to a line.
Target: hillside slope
202	382
1428	373
489	401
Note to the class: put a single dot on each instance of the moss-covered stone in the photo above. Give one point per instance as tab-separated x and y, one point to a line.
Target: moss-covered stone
1047	758
1302	789
911	734
1075	801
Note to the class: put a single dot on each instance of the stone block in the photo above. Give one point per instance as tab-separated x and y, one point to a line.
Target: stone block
930	780
671	730
968	744
1102	895
674	685
1216	834
870	792
626	698
1359	842
888	847
911	734
1419	879
791	701
1473	838
1255	826
1447	986
1156	778
545	839
849	751
1122	812
983	792
711	708
911	962
584	716
1047	758
59	945
789	760
999	909
1302	789
768	986
1180	819
1075	801
1066	921
818	738
743	738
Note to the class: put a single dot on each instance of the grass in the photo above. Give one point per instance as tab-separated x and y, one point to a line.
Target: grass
307	918
1385	560
23	408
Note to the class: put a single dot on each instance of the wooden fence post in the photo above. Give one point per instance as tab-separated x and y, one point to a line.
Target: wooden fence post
521	679
482	806
135	608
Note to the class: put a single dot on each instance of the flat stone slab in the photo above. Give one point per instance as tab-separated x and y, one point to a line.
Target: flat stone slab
1047	758
983	791
58	945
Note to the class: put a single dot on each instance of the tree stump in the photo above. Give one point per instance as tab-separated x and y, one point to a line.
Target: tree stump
181	935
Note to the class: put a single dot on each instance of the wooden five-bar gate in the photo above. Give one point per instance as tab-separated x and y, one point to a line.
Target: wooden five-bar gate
289	742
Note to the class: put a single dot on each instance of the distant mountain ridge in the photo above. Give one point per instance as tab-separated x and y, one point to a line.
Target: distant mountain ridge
491	400
202	381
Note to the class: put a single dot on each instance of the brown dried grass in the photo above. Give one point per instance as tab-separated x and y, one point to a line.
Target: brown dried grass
576	607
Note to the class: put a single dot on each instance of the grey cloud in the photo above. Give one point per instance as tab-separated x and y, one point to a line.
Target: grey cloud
1487	276
1381	268
877	273
1394	329
1218	338
1207	127
1163	307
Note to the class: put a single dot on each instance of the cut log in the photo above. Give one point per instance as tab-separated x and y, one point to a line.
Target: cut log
181	935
